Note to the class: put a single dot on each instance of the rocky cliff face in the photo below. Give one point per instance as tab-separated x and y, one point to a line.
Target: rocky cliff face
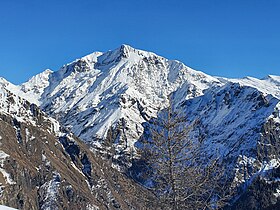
43	166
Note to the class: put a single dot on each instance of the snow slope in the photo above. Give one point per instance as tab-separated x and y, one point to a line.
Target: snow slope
6	208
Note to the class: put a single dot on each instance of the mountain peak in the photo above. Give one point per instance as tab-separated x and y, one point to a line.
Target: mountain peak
39	78
35	86
125	50
126	46
8	85
47	71
3	80
111	56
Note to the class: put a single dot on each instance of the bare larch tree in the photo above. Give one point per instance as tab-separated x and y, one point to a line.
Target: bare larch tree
180	179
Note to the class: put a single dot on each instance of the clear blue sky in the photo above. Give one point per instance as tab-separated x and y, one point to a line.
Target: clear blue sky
232	38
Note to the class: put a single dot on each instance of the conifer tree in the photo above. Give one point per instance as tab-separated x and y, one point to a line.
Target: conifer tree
181	179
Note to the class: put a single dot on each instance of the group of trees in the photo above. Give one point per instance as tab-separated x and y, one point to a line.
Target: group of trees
181	180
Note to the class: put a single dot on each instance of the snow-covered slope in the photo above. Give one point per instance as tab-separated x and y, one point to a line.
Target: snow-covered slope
6	208
4	84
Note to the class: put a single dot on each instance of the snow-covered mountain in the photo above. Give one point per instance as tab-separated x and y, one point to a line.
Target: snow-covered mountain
118	89
105	98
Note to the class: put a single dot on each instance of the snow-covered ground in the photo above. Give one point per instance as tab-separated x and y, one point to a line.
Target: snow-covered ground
6	208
